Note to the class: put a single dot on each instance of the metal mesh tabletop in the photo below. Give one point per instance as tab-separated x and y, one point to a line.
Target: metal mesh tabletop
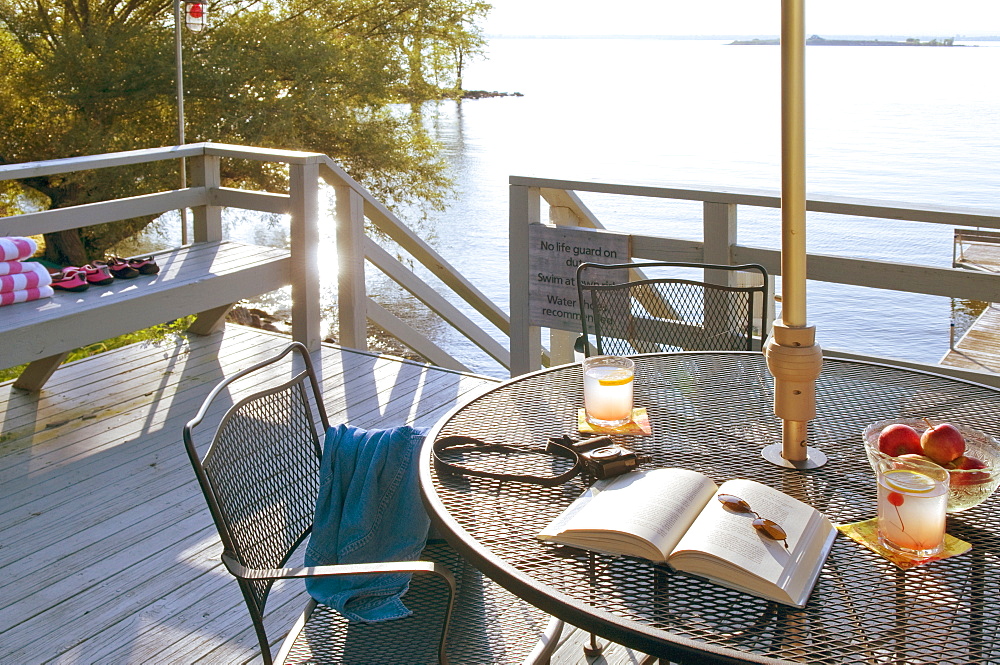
712	412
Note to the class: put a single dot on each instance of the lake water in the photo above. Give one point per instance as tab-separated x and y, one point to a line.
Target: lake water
916	125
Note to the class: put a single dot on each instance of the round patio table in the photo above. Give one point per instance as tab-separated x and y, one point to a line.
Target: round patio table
712	412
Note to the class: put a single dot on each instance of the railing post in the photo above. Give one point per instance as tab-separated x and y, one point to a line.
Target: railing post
304	191
720	234
525	340
205	173
352	309
719	229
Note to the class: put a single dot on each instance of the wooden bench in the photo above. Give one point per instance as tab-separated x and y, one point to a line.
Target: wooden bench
206	277
976	249
977	235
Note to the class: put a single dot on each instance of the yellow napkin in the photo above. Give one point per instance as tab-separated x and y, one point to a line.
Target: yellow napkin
638	425
866	533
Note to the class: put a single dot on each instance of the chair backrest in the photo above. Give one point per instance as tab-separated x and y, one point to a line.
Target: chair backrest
623	316
260	471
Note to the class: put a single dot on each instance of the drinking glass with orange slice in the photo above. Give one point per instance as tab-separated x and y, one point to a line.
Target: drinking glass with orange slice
912	498
607	390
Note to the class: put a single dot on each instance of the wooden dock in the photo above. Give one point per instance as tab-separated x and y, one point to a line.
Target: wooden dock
107	551
976	250
979	347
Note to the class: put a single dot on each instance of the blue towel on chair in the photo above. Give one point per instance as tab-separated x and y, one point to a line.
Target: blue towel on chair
368	510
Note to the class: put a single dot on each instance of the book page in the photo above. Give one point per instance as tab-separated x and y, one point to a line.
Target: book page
656	506
729	535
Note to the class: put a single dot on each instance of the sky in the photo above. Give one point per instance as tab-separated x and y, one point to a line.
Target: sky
916	18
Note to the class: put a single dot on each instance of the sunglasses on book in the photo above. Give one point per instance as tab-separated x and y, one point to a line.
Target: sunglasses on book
765	527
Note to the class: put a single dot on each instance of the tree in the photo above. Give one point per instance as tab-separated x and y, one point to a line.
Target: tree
436	41
92	76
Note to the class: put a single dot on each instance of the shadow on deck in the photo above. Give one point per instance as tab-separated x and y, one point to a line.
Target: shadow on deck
107	551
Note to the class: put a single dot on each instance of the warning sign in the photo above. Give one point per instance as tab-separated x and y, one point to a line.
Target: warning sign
554	252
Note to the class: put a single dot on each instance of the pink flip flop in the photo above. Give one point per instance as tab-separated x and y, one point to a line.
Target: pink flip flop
70	279
98	273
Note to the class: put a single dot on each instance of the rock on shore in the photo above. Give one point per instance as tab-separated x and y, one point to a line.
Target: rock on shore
481	94
379	341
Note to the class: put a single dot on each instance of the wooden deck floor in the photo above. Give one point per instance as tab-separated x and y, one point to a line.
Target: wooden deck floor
107	552
979	347
979	256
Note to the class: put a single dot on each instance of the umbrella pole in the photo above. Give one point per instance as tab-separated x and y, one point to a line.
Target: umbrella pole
793	357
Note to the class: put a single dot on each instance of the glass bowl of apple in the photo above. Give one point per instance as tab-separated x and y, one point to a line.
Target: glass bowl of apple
971	457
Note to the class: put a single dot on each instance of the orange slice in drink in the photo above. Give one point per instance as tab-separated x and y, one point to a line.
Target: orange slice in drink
908	482
618	377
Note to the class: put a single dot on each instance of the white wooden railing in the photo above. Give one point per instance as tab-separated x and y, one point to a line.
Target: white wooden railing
720	208
206	197
354	204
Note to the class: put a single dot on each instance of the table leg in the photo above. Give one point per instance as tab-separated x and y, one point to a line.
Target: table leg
593	647
898	635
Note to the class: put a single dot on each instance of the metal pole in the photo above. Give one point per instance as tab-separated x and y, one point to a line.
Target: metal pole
793	357
178	19
793	165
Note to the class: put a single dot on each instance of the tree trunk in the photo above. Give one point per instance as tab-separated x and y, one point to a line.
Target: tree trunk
65	248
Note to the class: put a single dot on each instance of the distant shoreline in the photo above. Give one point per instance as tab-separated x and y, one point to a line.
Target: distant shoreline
816	40
881	39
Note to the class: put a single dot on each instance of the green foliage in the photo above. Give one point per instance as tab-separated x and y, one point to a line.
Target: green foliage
93	76
165	332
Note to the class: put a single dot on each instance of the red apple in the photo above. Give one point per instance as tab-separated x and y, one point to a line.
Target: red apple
967	473
942	442
966	462
899	439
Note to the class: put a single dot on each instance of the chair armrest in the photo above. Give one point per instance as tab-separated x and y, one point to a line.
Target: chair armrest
239	570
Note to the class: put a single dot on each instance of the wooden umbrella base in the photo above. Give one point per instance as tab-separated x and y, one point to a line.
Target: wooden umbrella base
795	361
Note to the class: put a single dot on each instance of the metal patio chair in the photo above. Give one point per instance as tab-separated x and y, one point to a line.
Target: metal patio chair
622	316
259	474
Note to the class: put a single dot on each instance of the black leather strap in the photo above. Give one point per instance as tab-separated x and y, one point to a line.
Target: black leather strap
468	444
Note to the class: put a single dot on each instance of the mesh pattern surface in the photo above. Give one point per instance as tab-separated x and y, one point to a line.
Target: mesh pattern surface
668	314
264	469
489	626
713	413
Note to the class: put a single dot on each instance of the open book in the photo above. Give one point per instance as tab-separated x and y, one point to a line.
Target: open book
672	516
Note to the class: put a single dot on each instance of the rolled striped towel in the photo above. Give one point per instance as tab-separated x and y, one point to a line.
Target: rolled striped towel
14	248
27	280
18	267
11	297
